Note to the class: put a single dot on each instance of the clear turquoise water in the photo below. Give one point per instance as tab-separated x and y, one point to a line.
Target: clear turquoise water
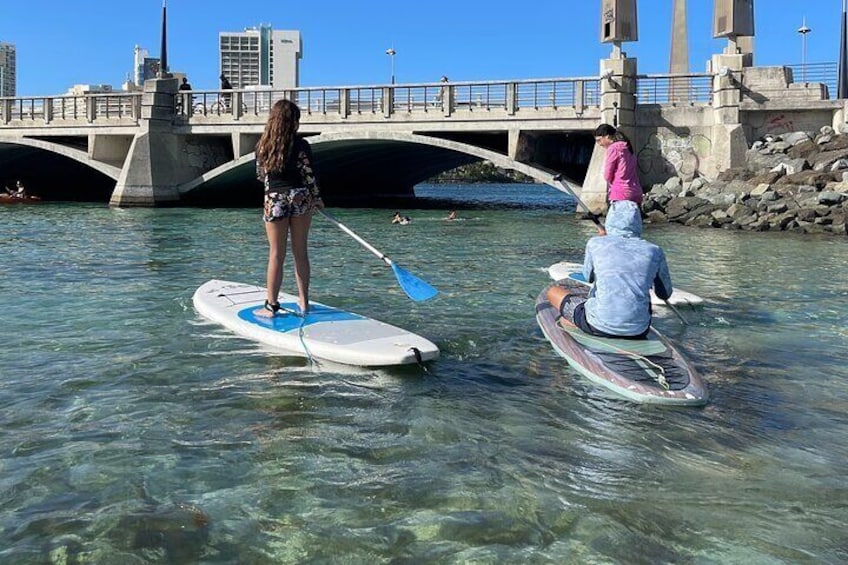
135	432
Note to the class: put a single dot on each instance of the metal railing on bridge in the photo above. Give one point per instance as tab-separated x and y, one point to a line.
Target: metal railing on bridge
679	89
82	109
824	73
439	98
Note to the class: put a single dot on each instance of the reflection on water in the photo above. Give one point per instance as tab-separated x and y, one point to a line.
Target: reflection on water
134	431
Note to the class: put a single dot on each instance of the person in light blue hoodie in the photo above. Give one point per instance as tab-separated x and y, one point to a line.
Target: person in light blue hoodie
623	268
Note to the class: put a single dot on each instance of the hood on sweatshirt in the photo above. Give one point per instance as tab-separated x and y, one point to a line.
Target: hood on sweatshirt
624	220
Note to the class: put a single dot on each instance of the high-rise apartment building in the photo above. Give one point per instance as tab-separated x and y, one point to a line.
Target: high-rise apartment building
8	70
261	57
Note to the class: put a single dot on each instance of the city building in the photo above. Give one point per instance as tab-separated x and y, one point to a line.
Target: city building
8	70
144	66
260	57
83	89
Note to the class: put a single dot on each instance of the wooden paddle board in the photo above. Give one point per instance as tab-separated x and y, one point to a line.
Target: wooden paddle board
574	271
324	333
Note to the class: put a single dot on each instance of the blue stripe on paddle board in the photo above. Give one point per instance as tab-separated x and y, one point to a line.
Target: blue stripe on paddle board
284	322
577	277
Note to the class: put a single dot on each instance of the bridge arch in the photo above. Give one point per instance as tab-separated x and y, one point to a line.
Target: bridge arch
356	165
56	171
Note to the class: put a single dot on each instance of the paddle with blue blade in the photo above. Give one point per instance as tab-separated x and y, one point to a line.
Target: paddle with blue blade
415	288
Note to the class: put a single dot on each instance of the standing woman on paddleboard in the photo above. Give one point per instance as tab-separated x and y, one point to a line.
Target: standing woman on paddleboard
620	168
284	164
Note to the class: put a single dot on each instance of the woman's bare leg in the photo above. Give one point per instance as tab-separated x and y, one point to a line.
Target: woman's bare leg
302	270
277	233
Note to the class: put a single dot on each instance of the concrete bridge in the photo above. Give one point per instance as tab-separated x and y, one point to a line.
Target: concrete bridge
166	147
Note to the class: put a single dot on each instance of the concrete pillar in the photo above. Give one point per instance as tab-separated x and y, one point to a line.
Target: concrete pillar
244	143
344	103
746	48
729	143
727	87
48	110
618	108
511	98
679	60
447	100
388	101
579	97
90	109
153	169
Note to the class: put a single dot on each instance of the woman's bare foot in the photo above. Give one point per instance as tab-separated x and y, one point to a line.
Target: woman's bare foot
269	310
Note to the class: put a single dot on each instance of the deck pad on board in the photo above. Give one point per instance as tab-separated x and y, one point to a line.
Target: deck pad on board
324	333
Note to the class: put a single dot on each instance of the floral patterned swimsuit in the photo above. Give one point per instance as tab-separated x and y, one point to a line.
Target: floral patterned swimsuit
286	196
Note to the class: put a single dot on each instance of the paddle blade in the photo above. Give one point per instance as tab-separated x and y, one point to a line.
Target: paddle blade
414	287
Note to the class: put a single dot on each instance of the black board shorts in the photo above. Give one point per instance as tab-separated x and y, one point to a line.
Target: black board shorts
573	308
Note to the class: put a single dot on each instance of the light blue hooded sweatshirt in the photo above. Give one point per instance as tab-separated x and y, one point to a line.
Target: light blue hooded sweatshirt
623	267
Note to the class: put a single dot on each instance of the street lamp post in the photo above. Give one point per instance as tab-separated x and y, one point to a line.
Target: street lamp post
391	53
804	30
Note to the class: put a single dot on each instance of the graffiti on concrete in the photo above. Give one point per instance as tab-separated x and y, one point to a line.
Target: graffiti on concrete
780	124
667	154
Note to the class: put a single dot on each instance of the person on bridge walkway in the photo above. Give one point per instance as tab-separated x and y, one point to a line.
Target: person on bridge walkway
185	84
623	268
225	85
284	164
620	168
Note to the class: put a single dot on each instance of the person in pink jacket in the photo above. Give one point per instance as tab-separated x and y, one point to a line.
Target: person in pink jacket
620	168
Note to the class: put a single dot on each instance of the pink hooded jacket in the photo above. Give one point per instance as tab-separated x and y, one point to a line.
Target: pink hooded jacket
620	172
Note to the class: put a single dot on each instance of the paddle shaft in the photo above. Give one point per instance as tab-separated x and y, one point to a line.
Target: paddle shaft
592	215
676	311
352	234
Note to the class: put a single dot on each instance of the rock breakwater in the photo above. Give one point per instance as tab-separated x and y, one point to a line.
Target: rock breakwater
795	182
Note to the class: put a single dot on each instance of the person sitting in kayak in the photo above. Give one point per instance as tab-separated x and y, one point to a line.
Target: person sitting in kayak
623	268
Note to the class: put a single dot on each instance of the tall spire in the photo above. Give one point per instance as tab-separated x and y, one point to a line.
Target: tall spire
163	50
679	61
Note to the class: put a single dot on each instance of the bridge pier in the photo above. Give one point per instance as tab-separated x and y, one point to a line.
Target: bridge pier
151	173
728	135
618	108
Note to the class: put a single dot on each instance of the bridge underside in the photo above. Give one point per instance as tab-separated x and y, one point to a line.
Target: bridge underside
361	168
350	172
367	171
51	175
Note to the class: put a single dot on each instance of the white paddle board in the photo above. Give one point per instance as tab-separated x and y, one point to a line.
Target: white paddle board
324	333
574	271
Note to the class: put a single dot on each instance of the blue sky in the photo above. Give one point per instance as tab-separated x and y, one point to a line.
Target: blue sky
61	43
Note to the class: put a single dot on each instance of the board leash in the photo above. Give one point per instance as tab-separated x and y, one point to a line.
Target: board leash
302	317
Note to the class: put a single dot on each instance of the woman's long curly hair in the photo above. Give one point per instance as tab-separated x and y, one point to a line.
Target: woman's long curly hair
275	145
